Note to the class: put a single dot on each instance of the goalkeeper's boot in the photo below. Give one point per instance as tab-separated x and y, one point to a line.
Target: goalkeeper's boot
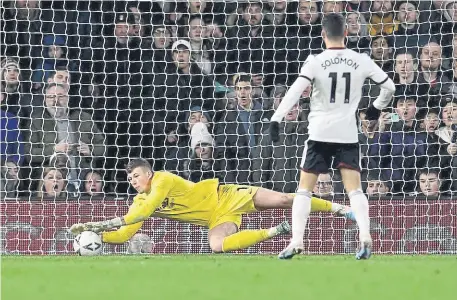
290	251
346	211
283	228
365	249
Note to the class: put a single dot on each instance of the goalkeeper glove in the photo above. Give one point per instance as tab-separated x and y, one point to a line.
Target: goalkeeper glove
274	131
96	227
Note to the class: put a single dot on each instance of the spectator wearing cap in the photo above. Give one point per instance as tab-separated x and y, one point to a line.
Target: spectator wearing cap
239	131
202	163
183	86
178	142
275	164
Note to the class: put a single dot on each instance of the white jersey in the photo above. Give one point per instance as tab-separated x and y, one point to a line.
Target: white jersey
338	76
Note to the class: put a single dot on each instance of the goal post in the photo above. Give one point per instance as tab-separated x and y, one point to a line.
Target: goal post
191	85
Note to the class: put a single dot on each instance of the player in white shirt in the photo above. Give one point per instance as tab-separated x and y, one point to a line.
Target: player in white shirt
337	76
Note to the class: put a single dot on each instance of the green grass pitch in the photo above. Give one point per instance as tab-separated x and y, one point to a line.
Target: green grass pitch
228	277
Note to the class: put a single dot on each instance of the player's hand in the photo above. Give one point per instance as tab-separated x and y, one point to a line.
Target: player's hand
77	228
274	131
62	147
83	148
384	119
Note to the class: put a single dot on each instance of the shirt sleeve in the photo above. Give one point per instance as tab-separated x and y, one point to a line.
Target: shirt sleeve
376	74
145	204
307	69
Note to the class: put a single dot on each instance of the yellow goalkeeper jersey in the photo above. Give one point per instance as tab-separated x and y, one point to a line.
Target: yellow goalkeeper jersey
171	197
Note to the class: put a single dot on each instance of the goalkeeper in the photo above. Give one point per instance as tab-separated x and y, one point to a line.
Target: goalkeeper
206	203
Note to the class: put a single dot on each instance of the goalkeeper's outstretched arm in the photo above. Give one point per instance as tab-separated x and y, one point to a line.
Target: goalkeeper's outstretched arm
142	208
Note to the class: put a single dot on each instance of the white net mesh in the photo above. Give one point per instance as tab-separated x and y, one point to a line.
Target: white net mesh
87	85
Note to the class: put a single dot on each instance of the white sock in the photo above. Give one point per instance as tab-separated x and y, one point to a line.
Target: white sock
336	207
301	209
359	205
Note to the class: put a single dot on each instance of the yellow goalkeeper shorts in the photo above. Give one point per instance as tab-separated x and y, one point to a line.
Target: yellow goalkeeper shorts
233	201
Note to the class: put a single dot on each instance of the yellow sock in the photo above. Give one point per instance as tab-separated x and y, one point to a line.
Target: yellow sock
318	204
245	239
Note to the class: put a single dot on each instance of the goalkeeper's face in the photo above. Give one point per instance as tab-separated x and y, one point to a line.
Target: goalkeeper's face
140	179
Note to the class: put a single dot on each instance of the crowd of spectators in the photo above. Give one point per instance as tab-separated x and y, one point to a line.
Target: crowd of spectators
191	86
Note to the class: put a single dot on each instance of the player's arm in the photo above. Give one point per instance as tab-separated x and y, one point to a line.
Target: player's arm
141	209
296	90
380	77
292	97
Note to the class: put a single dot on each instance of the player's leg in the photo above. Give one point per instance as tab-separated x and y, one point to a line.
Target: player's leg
226	238
348	161
316	160
266	199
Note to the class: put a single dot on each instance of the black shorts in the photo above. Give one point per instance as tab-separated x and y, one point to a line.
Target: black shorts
318	156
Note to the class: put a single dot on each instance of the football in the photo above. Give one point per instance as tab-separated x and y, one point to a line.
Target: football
87	243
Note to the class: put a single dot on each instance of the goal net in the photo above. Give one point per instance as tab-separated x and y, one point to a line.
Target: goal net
191	86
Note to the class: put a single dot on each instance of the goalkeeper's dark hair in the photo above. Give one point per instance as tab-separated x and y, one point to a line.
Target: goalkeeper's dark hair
138	163
334	26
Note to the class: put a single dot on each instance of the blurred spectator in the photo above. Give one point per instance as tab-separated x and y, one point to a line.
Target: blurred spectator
57	128
9	179
304	38
52	56
430	123
195	31
11	146
429	182
182	87
93	183
401	150
324	186
202	163
275	164
377	187
22	32
382	21
410	34
238	132
357	38
381	53
332	6
52	184
178	144
140	243
431	79
405	71
250	48
10	80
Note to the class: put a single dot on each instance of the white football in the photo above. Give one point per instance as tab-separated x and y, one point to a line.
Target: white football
88	243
